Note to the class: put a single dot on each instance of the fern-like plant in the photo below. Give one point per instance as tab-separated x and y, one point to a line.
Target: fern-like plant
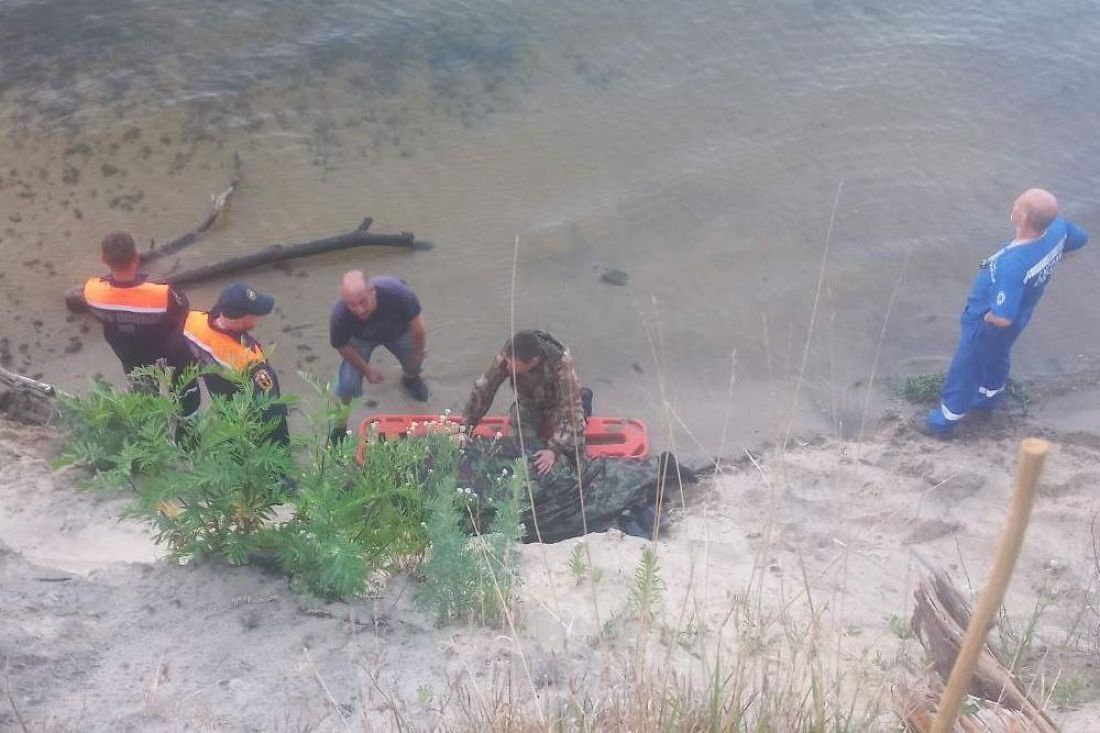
647	586
226	483
474	578
120	435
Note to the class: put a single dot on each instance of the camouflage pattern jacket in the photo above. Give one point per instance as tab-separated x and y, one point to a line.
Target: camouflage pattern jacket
548	396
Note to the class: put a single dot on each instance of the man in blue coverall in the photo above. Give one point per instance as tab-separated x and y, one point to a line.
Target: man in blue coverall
1002	300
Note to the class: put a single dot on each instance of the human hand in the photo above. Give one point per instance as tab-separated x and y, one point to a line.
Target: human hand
373	374
544	461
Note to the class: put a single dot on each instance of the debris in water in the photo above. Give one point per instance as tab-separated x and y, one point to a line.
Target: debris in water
615	277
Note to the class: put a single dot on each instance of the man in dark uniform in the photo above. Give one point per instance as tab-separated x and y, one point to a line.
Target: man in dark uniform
142	319
222	337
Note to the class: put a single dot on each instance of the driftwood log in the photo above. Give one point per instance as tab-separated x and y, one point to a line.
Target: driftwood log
359	237
26	400
217	206
940	618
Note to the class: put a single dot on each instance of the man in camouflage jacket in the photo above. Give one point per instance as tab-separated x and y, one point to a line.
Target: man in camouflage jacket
547	417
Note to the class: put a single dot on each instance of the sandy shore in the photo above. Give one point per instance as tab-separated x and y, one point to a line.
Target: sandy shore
100	636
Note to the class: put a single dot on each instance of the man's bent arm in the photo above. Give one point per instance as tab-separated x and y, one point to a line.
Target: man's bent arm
993	320
352	355
485	389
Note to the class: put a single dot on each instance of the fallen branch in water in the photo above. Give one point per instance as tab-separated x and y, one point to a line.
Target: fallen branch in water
218	205
280	252
359	237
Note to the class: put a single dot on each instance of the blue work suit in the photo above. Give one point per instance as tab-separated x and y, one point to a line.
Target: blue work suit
1009	285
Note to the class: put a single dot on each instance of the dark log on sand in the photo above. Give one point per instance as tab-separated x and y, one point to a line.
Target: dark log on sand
940	618
18	380
26	400
218	204
280	252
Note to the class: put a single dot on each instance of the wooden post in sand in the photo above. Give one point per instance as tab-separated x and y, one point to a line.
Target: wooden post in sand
1033	452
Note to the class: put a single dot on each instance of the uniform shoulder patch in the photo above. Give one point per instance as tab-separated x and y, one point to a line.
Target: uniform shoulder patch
1001	298
263	380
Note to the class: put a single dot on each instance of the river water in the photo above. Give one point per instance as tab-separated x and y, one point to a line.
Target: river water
700	147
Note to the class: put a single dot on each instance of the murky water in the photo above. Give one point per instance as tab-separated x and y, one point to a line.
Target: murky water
697	146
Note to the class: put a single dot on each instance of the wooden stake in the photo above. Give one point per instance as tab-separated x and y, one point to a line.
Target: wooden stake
1033	452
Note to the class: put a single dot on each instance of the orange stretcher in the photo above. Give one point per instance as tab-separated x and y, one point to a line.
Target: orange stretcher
605	437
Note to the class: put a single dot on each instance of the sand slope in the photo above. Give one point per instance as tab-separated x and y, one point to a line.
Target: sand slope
99	636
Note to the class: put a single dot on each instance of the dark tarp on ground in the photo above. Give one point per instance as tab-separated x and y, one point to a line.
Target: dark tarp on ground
604	487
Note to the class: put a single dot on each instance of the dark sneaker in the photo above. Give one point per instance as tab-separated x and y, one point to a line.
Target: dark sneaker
338	435
919	424
416	388
586	401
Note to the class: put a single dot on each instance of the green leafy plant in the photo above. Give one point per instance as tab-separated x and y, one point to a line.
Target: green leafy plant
351	522
224	486
578	562
922	389
215	492
120	435
925	389
899	626
647	586
474	578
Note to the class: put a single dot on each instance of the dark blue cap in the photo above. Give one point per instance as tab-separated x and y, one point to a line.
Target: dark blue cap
239	300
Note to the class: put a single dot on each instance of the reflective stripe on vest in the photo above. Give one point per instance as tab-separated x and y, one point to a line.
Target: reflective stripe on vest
144	298
222	348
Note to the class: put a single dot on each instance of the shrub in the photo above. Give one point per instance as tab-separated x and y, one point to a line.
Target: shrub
120	435
351	521
215	493
223	487
474	578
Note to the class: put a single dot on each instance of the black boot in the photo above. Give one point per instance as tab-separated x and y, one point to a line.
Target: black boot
416	388
586	401
338	435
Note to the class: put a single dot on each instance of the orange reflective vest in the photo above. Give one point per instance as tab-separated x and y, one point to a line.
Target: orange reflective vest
223	348
145	298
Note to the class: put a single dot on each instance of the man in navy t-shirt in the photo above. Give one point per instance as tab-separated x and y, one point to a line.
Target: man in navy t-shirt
373	312
1002	300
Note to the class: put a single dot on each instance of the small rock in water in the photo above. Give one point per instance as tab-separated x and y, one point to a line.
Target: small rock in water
615	277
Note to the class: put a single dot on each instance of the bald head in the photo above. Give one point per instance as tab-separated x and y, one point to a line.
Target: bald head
1034	210
358	294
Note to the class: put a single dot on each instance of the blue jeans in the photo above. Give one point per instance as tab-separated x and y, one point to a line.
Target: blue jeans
978	373
349	380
